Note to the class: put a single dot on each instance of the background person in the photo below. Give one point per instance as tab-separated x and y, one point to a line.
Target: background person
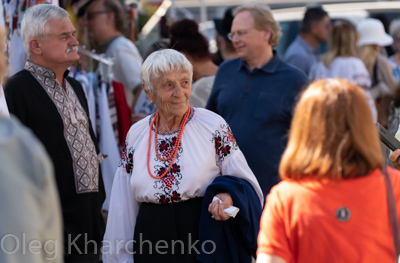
303	51
341	61
331	205
226	50
106	21
54	107
255	93
28	193
186	38
395	58
159	195
373	38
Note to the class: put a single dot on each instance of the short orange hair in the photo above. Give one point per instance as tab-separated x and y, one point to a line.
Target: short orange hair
332	134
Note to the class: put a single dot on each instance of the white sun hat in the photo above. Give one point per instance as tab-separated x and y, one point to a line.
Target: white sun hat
372	33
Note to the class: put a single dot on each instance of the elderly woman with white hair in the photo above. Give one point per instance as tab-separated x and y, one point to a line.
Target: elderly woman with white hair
169	161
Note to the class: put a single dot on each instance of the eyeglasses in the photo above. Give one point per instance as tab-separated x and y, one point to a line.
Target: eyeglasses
238	33
91	15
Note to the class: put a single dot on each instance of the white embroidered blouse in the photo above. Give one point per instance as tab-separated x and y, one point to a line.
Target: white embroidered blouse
207	150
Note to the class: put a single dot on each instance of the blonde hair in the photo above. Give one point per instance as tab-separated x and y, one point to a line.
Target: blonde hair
332	134
262	20
369	55
3	62
342	42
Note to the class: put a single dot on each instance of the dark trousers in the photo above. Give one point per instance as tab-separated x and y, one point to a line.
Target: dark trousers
167	233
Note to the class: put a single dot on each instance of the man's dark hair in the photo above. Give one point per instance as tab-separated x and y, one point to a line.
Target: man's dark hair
186	38
313	14
116	7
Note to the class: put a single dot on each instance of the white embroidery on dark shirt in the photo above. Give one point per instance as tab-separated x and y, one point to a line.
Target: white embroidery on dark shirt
76	128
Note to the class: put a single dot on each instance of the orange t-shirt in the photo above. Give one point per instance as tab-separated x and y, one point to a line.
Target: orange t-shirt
324	221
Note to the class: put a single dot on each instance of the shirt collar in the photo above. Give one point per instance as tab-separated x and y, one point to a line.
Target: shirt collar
269	67
35	68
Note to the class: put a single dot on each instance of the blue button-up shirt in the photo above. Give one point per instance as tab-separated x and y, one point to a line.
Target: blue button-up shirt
258	106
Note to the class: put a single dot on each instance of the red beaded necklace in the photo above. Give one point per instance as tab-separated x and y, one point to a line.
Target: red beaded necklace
173	154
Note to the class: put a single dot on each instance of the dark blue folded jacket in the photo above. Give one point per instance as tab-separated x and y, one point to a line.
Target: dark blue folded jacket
233	240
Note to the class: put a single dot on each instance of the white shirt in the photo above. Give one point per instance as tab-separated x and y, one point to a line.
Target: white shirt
3	104
350	68
127	64
207	150
201	90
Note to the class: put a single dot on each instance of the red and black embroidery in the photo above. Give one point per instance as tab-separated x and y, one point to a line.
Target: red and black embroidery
127	159
166	146
169	184
224	142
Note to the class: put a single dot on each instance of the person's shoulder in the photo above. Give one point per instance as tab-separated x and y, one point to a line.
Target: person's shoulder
294	49
19	81
347	60
139	127
204	80
383	61
292	71
230	63
123	49
207	117
122	42
228	67
284	191
13	132
19	76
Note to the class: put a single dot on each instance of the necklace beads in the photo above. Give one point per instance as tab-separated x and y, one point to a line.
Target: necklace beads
174	153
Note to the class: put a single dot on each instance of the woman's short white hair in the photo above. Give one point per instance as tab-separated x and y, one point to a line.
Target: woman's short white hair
35	22
162	62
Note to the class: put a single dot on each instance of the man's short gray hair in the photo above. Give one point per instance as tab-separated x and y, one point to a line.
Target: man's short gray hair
35	22
262	19
162	62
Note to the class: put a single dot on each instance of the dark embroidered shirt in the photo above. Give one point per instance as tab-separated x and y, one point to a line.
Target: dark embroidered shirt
59	120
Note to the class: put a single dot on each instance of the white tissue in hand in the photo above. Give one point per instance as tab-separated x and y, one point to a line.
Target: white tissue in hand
230	211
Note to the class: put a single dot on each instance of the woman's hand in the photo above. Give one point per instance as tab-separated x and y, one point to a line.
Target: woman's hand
394	158
217	209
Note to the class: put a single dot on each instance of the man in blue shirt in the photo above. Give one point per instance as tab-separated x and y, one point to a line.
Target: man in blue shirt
315	28
255	93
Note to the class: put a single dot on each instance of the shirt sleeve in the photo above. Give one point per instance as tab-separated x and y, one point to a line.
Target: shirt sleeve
3	104
212	99
127	69
16	103
231	160
118	239
272	238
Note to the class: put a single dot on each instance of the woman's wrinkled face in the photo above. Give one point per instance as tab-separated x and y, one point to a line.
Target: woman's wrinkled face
171	94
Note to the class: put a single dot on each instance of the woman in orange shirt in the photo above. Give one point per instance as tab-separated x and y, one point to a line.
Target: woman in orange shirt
331	205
